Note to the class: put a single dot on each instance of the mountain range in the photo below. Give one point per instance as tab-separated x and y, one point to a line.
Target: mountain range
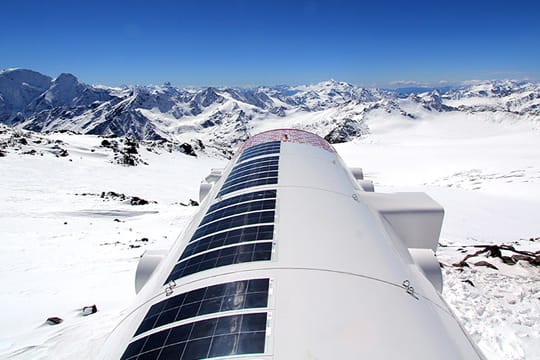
221	118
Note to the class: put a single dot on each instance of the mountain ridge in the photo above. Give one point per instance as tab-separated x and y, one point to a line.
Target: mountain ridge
221	117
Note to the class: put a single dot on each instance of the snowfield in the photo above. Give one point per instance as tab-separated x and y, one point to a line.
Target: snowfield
68	242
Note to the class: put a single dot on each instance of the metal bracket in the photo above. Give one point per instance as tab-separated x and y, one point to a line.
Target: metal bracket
409	289
170	287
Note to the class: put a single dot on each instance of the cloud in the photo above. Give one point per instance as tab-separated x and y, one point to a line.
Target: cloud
407	83
474	82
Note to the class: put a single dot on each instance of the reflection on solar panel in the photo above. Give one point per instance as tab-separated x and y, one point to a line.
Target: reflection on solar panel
262	149
250	176
271	160
223	336
248	184
222	257
252	170
261	146
237	295
246	234
239	209
251	218
256	195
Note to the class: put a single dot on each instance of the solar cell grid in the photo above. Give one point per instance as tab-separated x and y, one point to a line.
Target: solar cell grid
250	176
223	336
247	164
239	209
246	234
255	169
251	218
273	160
248	184
262	146
262	151
256	195
222	257
229	296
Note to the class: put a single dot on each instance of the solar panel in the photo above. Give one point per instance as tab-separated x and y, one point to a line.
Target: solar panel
269	150
261	146
256	162
263	149
221	257
250	176
243	168
236	295
256	195
248	184
239	209
245	234
251	218
252	170
222	336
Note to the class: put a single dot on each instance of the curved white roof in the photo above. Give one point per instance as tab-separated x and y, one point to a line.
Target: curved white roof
289	258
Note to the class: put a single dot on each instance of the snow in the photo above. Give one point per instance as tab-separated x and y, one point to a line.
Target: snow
487	177
63	251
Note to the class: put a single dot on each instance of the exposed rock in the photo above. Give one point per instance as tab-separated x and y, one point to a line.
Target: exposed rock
486	264
132	200
54	320
346	131
89	310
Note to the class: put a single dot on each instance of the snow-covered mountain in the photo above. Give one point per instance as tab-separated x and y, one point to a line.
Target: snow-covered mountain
223	117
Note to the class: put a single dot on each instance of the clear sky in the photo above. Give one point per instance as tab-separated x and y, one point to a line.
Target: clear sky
252	42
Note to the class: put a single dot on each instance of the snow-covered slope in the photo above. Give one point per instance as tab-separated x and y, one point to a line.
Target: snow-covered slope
70	239
220	118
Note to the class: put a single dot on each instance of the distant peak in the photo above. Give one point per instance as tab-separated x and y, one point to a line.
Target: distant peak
334	83
66	77
20	71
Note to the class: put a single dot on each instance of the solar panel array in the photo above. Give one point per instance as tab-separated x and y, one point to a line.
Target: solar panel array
222	257
235	230
262	170
228	225
261	149
236	295
245	234
221	336
249	218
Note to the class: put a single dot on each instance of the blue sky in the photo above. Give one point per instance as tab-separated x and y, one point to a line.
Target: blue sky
250	42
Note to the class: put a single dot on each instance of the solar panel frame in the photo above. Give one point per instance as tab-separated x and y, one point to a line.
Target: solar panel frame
249	218
259	174
254	162
246	333
247	185
257	251
234	295
239	209
267	150
255	195
255	169
261	146
225	238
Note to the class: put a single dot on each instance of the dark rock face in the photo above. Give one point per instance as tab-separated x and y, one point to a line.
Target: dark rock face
495	251
434	102
188	149
346	131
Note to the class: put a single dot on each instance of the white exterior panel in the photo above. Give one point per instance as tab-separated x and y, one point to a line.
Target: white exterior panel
340	273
